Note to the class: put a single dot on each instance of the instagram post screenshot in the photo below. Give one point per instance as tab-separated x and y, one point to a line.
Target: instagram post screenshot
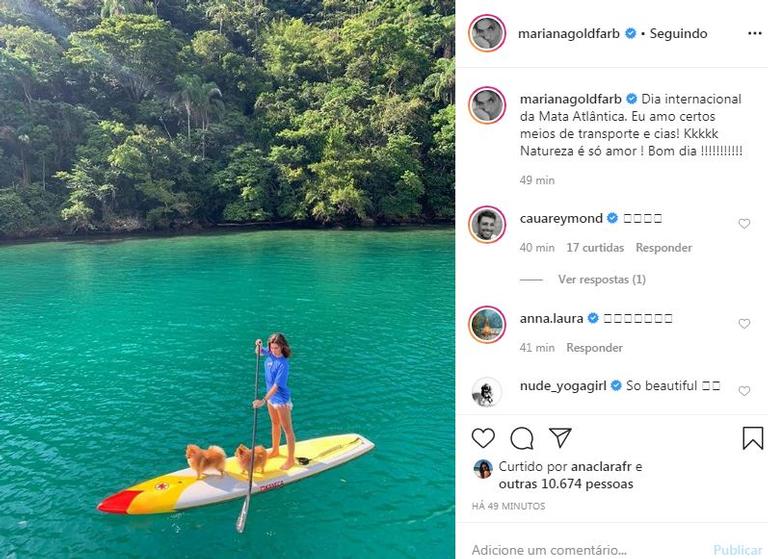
383	279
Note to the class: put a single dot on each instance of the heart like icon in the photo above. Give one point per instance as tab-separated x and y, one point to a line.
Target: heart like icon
744	323
483	437
744	223
744	390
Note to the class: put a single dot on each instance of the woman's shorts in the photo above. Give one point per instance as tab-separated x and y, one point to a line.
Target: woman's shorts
287	404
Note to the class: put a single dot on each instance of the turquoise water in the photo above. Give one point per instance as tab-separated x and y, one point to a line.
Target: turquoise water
114	356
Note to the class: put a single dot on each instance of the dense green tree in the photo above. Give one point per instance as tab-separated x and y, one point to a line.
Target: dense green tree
28	211
79	215
292	177
92	182
34	148
31	57
295	51
400	186
156	172
45	205
15	215
102	137
86	191
249	177
210	48
135	52
336	194
214	58
440	164
38	139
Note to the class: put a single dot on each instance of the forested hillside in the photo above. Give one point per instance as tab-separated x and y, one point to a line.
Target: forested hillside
124	115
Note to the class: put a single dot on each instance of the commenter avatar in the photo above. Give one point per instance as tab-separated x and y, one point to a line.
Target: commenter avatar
487	324
487	224
484	398
486	392
487	105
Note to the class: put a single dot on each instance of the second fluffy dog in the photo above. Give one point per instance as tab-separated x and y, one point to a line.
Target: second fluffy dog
243	454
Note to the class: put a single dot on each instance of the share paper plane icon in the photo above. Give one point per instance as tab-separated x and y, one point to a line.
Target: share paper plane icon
561	434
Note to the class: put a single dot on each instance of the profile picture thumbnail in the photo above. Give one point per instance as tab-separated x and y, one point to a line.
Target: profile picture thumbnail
487	224
486	392
487	324
487	32
487	105
483	469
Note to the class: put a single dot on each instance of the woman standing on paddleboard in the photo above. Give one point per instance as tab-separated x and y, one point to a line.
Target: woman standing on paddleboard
278	396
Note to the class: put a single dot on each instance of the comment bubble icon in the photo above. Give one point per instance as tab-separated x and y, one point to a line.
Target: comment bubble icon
522	438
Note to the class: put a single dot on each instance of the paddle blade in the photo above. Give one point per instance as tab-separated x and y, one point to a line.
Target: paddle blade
240	525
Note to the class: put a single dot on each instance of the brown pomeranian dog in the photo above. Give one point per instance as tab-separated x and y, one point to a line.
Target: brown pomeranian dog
243	454
200	460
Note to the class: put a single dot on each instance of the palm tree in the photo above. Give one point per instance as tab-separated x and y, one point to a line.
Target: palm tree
208	102
218	12
199	102
183	98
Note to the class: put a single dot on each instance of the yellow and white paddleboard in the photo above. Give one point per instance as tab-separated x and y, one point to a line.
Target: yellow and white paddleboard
182	490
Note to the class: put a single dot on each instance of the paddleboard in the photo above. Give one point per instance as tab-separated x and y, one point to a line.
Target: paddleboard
181	489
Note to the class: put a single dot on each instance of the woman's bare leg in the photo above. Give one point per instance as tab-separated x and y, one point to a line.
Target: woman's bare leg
275	417
290	438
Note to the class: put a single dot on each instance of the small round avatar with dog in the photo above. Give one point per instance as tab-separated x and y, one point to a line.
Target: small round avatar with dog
278	396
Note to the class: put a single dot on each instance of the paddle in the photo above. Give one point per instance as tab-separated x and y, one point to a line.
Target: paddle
303	460
240	526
